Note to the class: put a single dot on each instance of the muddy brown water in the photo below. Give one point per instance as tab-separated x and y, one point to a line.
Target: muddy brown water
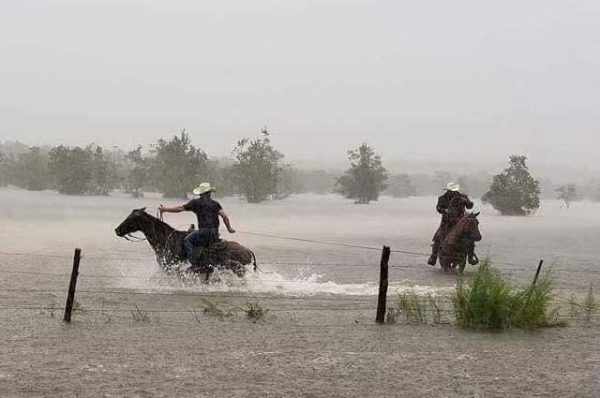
141	333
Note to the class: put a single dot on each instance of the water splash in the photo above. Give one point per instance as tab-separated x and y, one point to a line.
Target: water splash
270	282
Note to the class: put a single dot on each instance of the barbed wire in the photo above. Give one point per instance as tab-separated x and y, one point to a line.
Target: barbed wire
519	266
439	298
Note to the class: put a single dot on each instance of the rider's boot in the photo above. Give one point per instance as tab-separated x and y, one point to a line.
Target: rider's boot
434	254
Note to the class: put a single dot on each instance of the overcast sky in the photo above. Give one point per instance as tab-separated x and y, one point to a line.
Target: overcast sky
416	79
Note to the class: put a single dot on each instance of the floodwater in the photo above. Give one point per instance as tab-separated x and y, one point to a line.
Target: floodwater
142	333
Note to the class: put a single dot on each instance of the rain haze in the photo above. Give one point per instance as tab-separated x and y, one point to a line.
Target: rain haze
418	80
415	174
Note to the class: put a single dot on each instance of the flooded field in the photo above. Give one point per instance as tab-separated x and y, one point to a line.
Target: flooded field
318	338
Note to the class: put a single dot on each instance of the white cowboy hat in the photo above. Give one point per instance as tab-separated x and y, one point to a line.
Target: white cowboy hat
452	186
203	188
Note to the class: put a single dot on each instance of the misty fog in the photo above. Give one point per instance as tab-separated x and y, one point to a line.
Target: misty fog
428	83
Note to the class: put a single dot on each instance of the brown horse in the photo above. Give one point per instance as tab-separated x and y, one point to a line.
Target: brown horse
167	243
456	245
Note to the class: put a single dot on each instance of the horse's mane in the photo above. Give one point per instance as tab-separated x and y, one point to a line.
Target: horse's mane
158	221
161	231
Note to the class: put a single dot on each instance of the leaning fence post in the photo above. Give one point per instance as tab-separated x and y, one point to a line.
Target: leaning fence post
72	285
383	285
537	273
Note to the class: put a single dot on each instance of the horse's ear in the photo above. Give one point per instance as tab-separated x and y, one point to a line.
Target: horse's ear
144	209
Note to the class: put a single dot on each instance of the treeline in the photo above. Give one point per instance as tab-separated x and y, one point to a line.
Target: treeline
173	167
256	171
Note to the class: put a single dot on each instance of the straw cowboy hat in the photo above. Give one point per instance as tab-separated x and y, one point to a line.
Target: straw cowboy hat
203	188
452	186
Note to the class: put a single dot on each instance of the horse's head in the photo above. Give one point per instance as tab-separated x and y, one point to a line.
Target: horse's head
132	223
471	226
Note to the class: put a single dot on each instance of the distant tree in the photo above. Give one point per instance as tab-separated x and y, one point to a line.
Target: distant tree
104	171
401	186
31	170
515	191
139	173
6	167
567	193
257	167
71	169
177	166
365	179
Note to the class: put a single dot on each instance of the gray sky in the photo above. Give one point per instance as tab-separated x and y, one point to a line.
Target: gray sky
414	78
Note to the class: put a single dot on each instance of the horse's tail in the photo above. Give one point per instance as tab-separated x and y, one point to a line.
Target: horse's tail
256	269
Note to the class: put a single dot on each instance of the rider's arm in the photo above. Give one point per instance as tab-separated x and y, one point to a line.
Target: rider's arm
173	209
468	202
226	221
442	205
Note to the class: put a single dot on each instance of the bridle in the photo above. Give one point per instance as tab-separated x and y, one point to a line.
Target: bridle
132	238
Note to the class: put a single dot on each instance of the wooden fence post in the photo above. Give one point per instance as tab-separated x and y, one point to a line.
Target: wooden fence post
72	285
537	273
383	285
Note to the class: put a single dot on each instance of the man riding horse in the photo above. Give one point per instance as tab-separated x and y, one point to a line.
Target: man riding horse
452	206
207	212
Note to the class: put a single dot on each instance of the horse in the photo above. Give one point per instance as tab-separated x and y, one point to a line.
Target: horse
461	237
167	244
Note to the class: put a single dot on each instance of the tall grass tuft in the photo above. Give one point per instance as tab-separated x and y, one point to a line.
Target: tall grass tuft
531	307
488	301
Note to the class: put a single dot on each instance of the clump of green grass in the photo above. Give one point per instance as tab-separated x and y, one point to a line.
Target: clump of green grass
214	310
255	312
416	309
488	301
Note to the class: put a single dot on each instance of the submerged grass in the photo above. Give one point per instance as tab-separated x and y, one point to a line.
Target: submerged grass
586	309
214	310
414	308
255	312
488	301
139	315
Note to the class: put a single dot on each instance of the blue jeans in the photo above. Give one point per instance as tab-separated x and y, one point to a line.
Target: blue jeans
197	240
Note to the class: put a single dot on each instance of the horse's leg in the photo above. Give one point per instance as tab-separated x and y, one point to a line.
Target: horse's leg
473	259
444	263
462	263
207	274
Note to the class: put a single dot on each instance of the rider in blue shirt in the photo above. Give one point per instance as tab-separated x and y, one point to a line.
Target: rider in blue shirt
207	213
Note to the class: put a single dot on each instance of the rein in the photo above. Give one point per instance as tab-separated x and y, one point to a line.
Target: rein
132	238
